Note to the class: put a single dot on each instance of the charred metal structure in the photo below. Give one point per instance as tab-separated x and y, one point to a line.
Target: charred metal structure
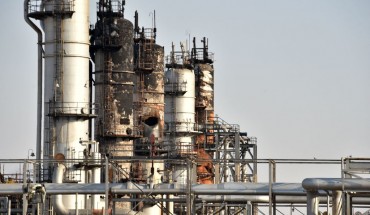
127	133
112	52
204	108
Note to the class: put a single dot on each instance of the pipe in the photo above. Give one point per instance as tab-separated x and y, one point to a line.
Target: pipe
312	185
354	184
57	199
96	173
24	196
337	202
105	212
290	189
9	206
39	86
312	203
252	198
126	188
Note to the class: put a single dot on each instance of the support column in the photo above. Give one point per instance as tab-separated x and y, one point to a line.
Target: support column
312	203
24	199
106	205
237	157
337	202
272	179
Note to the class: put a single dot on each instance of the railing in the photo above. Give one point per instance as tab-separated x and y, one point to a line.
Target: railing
71	108
37	6
184	149
222	125
134	131
181	126
181	58
114	7
175	87
355	167
107	41
148	33
199	55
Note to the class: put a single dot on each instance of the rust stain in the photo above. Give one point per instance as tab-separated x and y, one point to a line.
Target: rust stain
205	173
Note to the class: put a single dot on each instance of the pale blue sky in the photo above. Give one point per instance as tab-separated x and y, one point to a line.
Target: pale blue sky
293	73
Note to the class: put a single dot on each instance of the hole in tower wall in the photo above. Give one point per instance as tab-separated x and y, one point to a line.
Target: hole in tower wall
125	121
151	121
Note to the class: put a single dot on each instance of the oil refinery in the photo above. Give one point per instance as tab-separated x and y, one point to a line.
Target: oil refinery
124	128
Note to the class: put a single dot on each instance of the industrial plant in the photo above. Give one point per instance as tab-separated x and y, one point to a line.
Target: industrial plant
125	128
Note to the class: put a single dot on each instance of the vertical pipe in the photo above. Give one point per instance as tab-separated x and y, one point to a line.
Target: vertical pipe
106	185
76	204
203	207
255	206
9	207
57	201
237	157
312	203
24	199
327	203
39	86
337	202
188	197
271	180
348	204
96	173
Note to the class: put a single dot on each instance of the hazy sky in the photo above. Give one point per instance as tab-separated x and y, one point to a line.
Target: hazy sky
293	73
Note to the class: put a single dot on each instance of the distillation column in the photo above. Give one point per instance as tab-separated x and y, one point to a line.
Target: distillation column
112	52
180	119
149	109
114	83
66	94
204	90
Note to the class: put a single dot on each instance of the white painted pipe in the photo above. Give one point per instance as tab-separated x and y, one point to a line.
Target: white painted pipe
312	185
337	202
58	199
312	203
39	85
353	184
9	207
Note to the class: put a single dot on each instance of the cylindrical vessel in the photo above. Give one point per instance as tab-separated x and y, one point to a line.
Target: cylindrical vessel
180	110
149	100
204	73
149	95
179	116
114	83
114	78
204	76
152	95
67	87
155	108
